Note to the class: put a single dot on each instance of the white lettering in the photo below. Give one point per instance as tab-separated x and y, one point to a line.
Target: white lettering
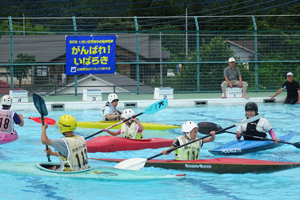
233	150
197	166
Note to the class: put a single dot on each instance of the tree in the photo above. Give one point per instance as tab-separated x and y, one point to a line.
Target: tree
22	71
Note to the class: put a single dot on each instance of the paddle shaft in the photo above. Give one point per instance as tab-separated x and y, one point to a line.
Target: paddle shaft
113	108
114	125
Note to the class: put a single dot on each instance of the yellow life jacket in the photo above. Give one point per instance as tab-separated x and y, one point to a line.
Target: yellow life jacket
76	159
188	152
131	132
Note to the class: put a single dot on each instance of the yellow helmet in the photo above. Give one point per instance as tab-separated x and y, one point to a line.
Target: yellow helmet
67	123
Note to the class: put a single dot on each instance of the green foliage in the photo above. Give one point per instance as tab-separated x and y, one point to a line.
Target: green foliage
22	71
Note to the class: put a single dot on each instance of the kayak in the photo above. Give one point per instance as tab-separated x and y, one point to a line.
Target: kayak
239	147
105	124
6	137
112	144
97	173
219	165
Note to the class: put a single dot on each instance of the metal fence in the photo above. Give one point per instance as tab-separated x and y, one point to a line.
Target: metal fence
186	53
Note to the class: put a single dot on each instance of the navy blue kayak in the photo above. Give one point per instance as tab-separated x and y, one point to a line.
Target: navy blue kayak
239	147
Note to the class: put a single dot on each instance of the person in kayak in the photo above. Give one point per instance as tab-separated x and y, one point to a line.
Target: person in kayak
132	128
191	151
8	117
109	111
255	128
72	151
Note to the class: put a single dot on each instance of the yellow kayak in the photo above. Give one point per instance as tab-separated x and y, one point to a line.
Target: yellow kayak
106	124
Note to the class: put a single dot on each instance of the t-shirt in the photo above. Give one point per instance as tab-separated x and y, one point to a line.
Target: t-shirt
60	146
263	125
16	117
292	88
232	74
107	110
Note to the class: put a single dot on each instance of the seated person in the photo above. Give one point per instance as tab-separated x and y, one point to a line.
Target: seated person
132	128
109	111
191	151
233	77
72	151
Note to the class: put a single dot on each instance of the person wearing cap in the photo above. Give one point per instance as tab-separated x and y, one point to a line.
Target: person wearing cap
233	78
257	128
131	129
293	90
8	117
71	149
109	111
191	151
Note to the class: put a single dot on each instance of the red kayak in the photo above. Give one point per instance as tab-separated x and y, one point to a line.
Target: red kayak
218	165
112	144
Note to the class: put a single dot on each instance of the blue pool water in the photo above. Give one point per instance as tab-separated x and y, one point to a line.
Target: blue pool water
196	185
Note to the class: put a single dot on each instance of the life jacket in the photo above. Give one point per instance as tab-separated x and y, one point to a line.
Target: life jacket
6	121
76	159
112	112
131	132
188	152
251	130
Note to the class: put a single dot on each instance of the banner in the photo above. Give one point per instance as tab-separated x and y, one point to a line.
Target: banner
90	54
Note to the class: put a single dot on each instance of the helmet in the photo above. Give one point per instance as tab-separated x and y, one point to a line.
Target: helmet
251	106
112	97
127	113
67	123
6	100
187	127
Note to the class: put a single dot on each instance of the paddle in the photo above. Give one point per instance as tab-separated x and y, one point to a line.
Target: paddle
151	109
108	104
47	120
203	130
138	163
40	105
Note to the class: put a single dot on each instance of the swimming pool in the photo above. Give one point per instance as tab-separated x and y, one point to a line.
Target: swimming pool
196	185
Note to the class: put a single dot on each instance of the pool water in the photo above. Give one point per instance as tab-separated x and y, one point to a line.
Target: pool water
196	185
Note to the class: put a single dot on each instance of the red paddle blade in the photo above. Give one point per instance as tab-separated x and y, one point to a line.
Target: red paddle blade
47	120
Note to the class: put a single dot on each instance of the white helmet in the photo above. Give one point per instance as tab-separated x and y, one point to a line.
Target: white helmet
6	100
187	127
127	113
112	97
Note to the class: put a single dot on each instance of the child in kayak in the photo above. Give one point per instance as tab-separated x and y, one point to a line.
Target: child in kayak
256	128
109	111
72	151
132	128
8	117
191	151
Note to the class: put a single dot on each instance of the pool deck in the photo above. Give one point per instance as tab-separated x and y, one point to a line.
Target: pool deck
71	102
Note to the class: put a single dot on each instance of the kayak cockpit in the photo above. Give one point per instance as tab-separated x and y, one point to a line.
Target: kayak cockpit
47	165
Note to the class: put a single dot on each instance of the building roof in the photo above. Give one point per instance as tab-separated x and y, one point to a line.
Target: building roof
248	45
47	48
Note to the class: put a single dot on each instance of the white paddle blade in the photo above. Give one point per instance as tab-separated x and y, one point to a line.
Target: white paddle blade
250	119
131	164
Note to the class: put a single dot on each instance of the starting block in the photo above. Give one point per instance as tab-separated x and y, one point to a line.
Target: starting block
19	96
161	92
92	95
234	92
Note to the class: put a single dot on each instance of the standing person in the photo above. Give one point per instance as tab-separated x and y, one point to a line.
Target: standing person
233	77
8	117
132	128
191	151
109	111
72	151
293	90
255	128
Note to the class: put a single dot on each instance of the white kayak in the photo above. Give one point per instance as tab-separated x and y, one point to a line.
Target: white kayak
97	173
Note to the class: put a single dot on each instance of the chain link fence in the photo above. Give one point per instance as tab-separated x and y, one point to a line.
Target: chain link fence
186	53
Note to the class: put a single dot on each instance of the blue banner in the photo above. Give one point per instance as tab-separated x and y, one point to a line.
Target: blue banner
90	54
